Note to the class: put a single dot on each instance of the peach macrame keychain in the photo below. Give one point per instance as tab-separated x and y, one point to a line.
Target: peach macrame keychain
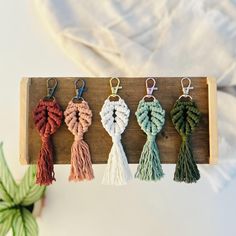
47	118
78	117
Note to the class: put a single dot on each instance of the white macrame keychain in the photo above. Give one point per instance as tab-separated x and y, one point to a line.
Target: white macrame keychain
114	117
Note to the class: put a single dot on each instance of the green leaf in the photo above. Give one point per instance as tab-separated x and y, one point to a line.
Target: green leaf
4	195
5	205
28	191
6	225
24	224
5	214
8	185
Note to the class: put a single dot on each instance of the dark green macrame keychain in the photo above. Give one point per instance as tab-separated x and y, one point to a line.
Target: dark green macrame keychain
185	117
151	118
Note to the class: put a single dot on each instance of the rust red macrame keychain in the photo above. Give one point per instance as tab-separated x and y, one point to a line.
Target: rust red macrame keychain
47	117
78	117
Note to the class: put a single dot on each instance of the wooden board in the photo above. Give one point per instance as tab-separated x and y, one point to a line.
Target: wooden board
204	139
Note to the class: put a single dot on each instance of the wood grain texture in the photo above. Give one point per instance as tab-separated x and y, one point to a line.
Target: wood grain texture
213	136
133	139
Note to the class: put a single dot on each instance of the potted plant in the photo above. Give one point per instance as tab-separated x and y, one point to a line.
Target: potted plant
17	201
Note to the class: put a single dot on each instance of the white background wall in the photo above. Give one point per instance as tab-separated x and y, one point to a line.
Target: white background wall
165	208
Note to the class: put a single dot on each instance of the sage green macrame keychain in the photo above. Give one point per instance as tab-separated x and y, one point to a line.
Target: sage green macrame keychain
151	118
185	117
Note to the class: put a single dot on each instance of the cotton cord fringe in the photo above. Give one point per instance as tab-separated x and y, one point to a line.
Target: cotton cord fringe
78	117
114	117
47	118
151	118
185	117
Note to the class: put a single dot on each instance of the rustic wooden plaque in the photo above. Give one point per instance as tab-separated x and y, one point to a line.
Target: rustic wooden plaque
204	138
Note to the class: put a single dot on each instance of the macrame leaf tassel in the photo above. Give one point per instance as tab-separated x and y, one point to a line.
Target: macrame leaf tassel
81	164
151	118
185	117
45	171
149	167
186	168
117	170
78	117
115	116
47	117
